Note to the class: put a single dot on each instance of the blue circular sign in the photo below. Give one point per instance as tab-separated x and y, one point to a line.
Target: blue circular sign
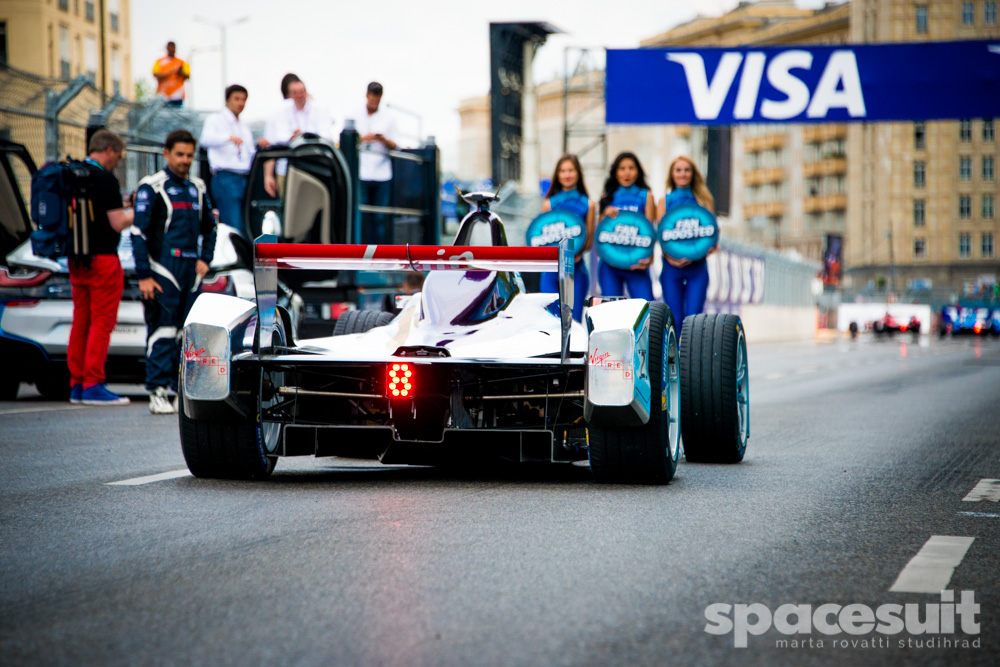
625	240
551	227
688	232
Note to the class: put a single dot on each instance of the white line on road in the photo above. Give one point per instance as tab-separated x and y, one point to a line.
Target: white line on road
137	481
987	489
931	569
23	410
982	514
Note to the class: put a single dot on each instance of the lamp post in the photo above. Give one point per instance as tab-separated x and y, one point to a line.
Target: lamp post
191	54
222	26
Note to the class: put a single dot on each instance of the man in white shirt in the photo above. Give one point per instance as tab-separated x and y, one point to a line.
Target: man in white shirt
230	151
377	131
296	115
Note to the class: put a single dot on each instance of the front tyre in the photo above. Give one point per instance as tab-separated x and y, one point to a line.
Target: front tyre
715	389
647	454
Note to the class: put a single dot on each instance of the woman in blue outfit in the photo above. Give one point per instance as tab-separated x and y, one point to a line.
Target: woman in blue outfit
568	193
684	282
626	190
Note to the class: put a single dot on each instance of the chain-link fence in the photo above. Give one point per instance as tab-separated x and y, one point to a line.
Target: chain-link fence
50	118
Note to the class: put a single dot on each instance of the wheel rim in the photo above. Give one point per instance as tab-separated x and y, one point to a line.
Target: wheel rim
270	431
742	390
671	394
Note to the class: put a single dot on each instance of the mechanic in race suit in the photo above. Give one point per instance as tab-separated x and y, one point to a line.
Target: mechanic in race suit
568	193
685	282
626	190
172	212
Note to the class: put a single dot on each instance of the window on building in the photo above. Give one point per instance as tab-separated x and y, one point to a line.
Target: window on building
3	43
114	10
965	168
987	245
920	136
116	70
990	13
814	187
63	52
968	13
965	206
987	129
965	245
987	168
919	212
88	10
64	5
987	207
919	174
965	130
90	57
919	248
922	19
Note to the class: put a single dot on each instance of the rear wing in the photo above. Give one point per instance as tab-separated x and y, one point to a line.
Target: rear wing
269	256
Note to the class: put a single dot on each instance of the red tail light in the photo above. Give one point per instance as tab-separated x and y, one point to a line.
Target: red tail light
400	381
217	284
32	279
978	327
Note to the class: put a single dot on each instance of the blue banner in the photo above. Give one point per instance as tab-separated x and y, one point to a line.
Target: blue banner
872	82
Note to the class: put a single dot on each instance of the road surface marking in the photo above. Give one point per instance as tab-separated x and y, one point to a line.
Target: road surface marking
987	489
23	410
982	514
931	569
137	481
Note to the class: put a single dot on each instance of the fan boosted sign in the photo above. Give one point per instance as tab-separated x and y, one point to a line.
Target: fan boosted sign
625	240
688	232
551	227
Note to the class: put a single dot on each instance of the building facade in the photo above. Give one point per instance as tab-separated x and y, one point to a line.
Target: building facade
62	39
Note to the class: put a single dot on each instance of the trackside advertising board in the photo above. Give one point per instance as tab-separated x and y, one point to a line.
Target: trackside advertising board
801	84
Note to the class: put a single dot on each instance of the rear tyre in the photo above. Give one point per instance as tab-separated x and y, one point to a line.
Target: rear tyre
360	321
8	388
53	384
237	448
715	389
647	454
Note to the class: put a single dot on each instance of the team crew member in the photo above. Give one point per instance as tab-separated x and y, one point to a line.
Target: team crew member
171	72
299	114
173	212
685	282
569	193
626	190
97	278
230	152
377	130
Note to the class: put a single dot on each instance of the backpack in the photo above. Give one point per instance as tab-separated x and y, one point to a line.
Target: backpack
61	209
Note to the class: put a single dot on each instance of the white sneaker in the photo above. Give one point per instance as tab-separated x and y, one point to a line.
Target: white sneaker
159	402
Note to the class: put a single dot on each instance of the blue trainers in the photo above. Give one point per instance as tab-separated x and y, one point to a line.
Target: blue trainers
76	394
99	394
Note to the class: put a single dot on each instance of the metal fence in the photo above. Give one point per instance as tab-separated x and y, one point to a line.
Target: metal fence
50	117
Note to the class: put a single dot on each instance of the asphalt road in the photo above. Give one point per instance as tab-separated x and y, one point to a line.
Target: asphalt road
862	456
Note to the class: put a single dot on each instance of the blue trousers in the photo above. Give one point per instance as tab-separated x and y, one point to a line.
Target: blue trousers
165	317
685	288
549	282
375	227
228	191
614	281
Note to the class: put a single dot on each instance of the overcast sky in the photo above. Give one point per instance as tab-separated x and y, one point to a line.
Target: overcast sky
429	55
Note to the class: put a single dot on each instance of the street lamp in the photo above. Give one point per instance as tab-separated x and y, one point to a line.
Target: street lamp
222	26
191	54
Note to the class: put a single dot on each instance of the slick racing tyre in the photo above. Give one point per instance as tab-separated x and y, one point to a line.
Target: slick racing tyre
647	454
715	398
235	448
360	321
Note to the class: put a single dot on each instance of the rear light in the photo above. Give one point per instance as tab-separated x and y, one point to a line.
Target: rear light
219	283
978	328
32	279
400	381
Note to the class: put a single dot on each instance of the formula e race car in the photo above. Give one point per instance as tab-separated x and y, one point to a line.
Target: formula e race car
472	368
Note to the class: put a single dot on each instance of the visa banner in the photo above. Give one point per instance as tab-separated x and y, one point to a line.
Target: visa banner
801	84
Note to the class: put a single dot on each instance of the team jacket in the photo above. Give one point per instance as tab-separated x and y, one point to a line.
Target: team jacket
171	214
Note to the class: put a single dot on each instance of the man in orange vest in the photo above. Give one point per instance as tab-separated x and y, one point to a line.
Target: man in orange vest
171	73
